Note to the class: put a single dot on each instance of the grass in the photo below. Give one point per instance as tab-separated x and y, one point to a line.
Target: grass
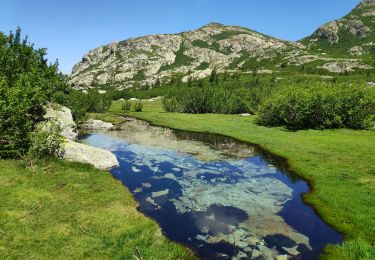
339	164
59	210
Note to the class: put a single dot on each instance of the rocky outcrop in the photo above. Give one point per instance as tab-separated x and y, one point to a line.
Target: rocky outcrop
93	124
77	152
64	119
345	66
329	32
74	151
356	51
347	32
144	60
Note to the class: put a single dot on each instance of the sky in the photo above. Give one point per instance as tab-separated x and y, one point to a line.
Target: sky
71	28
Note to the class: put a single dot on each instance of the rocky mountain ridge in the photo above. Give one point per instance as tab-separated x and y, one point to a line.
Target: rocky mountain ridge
145	61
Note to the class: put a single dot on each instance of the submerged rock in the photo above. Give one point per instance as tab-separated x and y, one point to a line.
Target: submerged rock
98	157
160	193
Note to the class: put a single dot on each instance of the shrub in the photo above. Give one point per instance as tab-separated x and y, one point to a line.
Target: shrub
171	105
137	106
209	99
319	106
45	139
27	82
126	105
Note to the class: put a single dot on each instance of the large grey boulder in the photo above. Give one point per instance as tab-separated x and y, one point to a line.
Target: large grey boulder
73	151
63	117
77	152
93	124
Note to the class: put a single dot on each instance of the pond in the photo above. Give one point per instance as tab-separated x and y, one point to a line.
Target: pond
222	198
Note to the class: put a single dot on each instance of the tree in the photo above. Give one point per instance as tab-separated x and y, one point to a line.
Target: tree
27	83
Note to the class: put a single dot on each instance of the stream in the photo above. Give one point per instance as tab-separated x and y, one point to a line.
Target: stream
222	198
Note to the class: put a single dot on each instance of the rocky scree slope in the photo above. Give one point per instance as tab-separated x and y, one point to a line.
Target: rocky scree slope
337	47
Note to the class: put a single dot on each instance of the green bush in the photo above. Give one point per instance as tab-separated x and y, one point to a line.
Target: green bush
209	99
45	140
137	106
27	83
319	106
126	105
171	105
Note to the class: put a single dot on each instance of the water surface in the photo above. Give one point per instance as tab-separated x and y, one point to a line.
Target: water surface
220	197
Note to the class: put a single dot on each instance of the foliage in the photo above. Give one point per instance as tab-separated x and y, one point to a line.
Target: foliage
171	105
45	139
27	82
137	106
126	105
319	106
91	101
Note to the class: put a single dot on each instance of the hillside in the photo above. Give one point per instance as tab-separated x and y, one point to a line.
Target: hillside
353	35
342	46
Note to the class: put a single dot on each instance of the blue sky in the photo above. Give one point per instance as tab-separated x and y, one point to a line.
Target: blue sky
69	29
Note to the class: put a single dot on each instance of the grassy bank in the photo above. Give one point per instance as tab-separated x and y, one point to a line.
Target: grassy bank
340	165
54	209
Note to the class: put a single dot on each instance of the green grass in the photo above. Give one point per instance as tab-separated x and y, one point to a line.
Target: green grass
58	210
339	164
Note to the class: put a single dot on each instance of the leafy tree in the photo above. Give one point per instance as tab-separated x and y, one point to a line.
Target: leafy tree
27	83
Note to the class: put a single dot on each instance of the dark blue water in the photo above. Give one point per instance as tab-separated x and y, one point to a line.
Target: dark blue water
220	197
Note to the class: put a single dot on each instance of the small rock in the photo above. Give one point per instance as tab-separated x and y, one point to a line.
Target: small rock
93	124
245	114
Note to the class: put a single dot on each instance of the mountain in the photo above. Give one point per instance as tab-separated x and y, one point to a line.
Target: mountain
340	46
351	35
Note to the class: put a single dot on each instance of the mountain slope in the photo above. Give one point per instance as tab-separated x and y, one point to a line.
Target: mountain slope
144	60
353	35
346	45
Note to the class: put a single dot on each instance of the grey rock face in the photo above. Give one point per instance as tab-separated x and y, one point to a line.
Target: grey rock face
63	117
357	28
77	152
345	66
141	61
329	32
356	51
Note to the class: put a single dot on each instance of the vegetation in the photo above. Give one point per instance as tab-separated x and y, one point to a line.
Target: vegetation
92	101
180	60
320	106
340	165
126	105
74	211
27	83
137	106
